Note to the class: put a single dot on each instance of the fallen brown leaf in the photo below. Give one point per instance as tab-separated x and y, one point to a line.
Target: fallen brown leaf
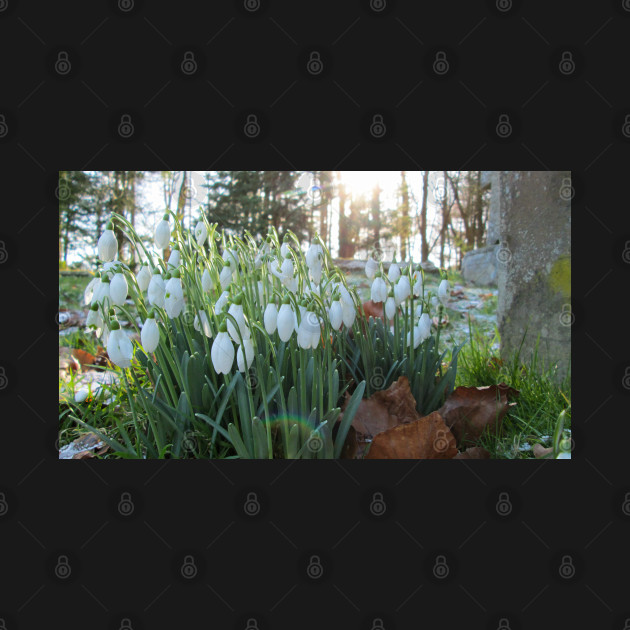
541	451
86	446
469	411
84	358
426	438
474	452
67	361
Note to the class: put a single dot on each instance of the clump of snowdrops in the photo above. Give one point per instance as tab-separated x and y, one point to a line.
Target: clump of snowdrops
253	348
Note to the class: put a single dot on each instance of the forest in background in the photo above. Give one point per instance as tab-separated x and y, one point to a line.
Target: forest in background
445	211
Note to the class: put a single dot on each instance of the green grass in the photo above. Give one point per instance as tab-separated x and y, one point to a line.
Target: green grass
71	288
542	398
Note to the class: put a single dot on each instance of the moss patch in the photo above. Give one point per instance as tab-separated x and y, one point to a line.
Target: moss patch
560	277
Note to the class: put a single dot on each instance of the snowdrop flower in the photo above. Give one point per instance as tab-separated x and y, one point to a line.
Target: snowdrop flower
107	244
390	307
349	313
201	322
162	234
434	302
156	290
287	269
417	285
291	284
206	281
174	259
201	233
424	326
335	314
118	289
284	249
394	272
302	311
231	256
236	311
443	291
102	295
286	320
150	334
316	272
119	346
143	277
271	318
174	296
261	291
225	278
89	290
371	267
245	364
415	332
308	331
379	289
221	303
402	290
94	319
222	352
419	310
314	254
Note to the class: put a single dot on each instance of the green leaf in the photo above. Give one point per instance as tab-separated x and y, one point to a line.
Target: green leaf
348	417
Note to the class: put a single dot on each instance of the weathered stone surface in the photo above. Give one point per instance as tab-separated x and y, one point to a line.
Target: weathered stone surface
534	266
494	212
479	266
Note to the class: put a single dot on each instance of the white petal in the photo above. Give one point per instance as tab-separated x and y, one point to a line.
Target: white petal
371	267
143	278
156	290
107	246
162	234
249	355
286	322
394	272
336	315
271	318
206	281
118	289
201	233
390	308
222	353
119	348
150	335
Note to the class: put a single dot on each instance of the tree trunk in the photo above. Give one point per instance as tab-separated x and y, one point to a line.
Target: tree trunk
376	216
424	245
444	229
404	210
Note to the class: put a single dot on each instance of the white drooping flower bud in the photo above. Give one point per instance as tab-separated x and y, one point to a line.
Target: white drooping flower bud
174	259
118	289
424	326
174	297
335	314
287	269
308	331
231	255
89	290
402	290
245	363
443	291
316	272
150	335
314	254
156	290
102	293
236	311
394	272
119	346
390	308
201	233
221	303
94	320
206	281
201	322
284	249
222	352
162	234
143	278
271	318
371	267
349	313
107	245
226	275
379	289
286	322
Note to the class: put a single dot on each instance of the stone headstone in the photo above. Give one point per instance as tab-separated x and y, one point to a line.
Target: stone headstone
534	267
479	266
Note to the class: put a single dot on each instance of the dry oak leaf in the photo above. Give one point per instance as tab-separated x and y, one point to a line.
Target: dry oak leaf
67	361
541	451
426	438
469	411
474	452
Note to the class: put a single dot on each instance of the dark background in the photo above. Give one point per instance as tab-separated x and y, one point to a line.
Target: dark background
126	60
